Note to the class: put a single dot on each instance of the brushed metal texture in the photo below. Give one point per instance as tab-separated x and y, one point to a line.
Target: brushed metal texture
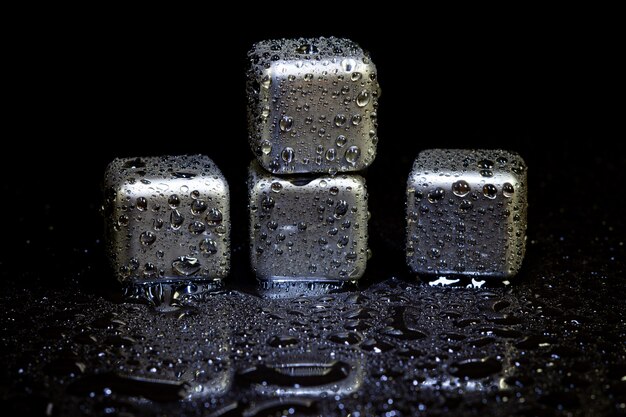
307	228
312	105
466	213
167	218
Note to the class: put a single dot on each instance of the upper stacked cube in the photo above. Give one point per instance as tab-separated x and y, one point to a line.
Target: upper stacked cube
312	105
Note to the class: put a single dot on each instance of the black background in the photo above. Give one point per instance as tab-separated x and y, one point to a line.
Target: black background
91	89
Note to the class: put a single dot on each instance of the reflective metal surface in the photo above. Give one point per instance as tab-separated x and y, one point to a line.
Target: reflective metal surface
307	228
167	219
312	105
466	213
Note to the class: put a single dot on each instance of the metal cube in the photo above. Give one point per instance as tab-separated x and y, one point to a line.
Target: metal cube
167	219
312	105
466	213
307	228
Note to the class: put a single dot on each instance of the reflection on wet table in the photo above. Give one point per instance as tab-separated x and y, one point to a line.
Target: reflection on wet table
394	349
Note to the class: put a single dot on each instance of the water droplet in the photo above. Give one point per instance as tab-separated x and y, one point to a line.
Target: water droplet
343	241
287	154
363	98
486	173
285	124
208	246
356	119
352	155
214	217
302	226
142	203
196	227
198	206
461	188
436	195
307	49
508	190
485	164
356	76
276	187
341	209
123	220
490	191
267	203
466	206
266	147
282	341
173	201
340	120
341	140
147	238
266	81
176	219
186	266
476	368
330	154
334	190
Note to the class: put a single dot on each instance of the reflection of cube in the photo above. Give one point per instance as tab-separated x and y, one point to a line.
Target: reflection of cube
466	213
312	105
307	228
167	218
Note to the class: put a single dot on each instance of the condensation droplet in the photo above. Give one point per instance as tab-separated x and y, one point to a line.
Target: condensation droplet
266	147
352	155
340	120
147	238
285	124
214	217
198	206
173	201
461	188
287	154
341	209
508	190
363	98
490	191
208	246
436	195
142	203
196	227
276	186
176	219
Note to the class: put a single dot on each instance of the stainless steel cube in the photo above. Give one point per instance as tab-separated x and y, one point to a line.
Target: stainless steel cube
466	213
167	219
312	105
307	228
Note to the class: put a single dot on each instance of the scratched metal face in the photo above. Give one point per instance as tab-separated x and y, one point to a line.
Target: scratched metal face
306	228
466	213
167	218
312	105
